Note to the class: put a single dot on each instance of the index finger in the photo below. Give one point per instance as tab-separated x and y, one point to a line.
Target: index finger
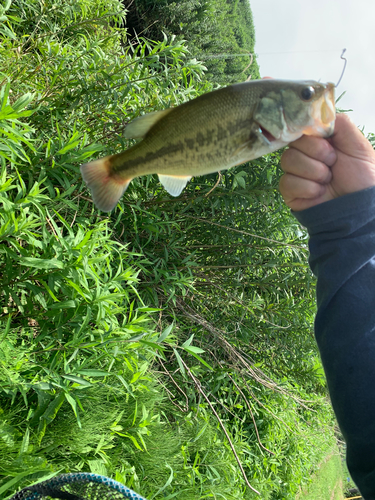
316	148
296	163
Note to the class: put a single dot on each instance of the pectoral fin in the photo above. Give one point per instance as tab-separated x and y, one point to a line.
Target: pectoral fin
257	138
139	127
243	148
174	184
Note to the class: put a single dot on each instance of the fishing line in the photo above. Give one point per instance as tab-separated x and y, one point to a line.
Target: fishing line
221	56
229	56
296	52
343	70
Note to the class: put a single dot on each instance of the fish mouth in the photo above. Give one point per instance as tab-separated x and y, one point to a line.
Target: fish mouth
323	114
266	134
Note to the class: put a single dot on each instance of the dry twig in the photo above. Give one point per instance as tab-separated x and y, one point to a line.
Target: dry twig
252	415
215	186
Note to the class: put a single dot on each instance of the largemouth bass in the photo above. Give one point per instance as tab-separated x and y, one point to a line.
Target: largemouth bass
213	132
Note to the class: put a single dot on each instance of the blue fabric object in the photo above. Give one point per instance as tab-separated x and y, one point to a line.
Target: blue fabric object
80	486
342	256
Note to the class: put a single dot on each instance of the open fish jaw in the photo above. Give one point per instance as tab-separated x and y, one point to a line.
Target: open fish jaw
323	114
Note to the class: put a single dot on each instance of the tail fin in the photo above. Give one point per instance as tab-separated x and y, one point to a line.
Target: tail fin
106	188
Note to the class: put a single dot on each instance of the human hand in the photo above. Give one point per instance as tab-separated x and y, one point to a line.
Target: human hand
319	170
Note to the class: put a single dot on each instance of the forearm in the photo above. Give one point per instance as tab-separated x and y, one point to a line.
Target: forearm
342	256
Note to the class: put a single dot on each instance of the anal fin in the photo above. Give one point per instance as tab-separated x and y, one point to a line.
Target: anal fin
174	184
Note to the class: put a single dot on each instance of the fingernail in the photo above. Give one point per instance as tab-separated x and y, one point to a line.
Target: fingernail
331	158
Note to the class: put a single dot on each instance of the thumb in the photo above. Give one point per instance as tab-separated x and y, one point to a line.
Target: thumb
348	139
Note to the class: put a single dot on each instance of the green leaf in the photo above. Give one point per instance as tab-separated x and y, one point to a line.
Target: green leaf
23	101
73	403
77	380
93	373
8	33
50	414
41	263
193	349
165	333
10	485
67	304
179	361
188	341
167	483
133	439
201	360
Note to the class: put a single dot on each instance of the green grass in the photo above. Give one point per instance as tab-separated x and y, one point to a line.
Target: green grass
327	483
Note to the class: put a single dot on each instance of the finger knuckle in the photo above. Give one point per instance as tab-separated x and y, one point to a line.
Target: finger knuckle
288	158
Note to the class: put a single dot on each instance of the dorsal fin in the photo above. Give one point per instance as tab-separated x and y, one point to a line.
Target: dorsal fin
139	127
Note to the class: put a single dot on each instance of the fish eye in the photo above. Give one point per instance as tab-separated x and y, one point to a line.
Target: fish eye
307	93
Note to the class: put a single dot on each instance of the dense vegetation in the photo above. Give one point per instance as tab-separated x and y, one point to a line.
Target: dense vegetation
216	32
168	345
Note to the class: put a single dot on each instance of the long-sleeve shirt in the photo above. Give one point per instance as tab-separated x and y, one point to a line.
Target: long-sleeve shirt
342	256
